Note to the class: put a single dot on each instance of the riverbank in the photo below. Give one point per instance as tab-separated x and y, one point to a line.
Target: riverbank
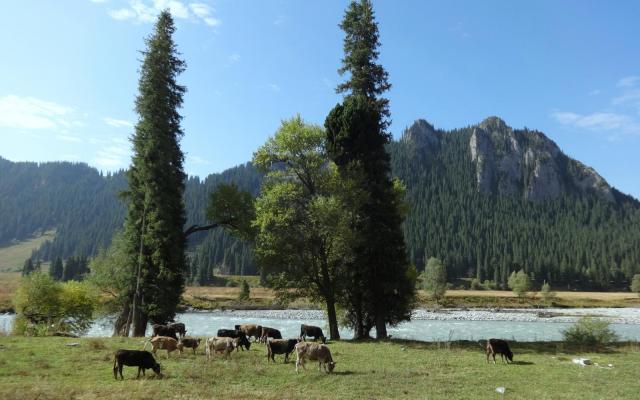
225	298
64	368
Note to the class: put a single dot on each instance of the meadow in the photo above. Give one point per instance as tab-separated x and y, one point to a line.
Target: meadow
50	368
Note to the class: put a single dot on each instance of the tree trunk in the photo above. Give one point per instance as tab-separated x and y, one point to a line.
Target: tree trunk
140	324
358	333
334	334
120	324
381	327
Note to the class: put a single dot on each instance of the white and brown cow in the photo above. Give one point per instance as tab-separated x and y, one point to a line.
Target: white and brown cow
224	345
163	343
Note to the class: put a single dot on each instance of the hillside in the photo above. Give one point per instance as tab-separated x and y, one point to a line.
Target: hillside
488	199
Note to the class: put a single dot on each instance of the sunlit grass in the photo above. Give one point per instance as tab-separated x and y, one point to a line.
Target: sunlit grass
46	368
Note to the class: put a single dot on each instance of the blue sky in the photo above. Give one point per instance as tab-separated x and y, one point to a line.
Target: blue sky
68	76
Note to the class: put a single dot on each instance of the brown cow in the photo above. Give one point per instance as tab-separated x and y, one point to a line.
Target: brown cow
250	330
499	346
217	344
164	343
314	352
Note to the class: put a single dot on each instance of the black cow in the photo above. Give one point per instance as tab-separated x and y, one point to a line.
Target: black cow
314	331
179	328
499	346
134	358
235	334
269	333
164	330
280	346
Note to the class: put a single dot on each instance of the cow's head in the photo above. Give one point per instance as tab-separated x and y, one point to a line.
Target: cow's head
509	355
156	369
324	339
331	366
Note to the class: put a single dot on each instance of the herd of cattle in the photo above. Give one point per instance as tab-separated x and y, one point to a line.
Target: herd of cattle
173	337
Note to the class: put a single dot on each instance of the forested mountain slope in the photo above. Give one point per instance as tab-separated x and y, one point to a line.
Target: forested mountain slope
487	199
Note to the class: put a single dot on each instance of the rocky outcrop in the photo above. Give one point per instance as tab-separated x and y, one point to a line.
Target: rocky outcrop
527	163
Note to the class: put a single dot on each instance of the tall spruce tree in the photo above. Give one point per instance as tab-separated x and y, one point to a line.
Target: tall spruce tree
155	243
381	290
27	267
56	269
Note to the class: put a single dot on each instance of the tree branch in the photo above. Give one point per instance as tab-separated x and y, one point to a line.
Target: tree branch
199	228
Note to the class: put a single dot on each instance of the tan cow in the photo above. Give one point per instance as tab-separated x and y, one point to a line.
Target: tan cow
220	345
314	352
164	343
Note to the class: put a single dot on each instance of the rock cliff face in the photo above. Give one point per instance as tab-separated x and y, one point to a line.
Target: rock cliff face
515	162
522	161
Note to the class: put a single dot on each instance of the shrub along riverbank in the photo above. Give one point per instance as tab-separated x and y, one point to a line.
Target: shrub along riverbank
53	368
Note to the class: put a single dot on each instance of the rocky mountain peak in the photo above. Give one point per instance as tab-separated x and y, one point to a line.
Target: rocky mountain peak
527	163
422	134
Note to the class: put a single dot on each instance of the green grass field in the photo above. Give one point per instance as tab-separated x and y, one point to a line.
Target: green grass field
46	368
12	257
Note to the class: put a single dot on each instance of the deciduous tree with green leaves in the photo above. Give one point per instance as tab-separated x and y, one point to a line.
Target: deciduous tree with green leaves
520	283
435	279
302	227
635	284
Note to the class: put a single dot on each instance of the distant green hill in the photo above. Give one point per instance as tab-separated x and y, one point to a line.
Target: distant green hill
487	199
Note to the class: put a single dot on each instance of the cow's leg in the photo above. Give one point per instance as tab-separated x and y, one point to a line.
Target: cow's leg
139	369
494	357
115	369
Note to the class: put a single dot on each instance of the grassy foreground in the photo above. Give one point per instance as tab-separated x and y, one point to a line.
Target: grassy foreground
46	368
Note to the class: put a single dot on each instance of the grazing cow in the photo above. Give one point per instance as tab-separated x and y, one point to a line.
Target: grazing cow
314	352
269	333
190	343
280	346
179	328
250	330
134	358
499	346
310	330
163	330
243	342
164	343
220	345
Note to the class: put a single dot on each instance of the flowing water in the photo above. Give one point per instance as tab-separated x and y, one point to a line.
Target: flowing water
520	325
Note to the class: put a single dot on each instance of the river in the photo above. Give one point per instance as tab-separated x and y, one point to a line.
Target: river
443	325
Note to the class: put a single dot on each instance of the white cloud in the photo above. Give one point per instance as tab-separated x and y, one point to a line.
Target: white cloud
98	1
146	11
628	81
279	20
69	138
594	92
599	121
117	123
274	86
197	160
113	156
32	113
234	58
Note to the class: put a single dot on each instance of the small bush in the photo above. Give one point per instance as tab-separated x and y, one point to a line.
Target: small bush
589	331
635	284
476	285
45	306
245	291
97	344
489	285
